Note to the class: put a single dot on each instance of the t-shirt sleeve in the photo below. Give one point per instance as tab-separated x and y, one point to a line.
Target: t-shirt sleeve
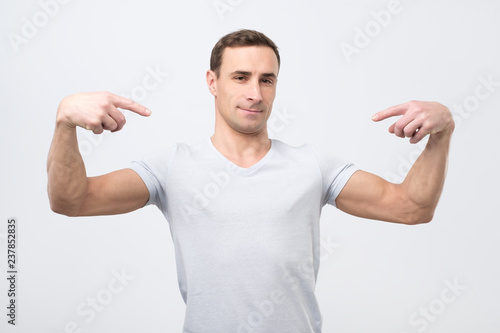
153	169
335	173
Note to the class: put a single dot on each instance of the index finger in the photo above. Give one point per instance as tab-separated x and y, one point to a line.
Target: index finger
397	110
128	104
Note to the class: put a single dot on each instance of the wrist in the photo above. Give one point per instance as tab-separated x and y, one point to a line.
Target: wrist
445	134
62	120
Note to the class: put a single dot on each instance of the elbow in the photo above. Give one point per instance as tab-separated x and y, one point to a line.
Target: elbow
63	203
420	216
63	207
419	212
419	220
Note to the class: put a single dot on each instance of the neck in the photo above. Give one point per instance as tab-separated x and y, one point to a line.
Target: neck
242	149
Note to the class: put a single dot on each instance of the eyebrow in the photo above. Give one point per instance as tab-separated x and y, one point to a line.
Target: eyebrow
249	74
269	75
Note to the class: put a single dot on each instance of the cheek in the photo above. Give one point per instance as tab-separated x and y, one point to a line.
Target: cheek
269	92
224	97
269	97
226	93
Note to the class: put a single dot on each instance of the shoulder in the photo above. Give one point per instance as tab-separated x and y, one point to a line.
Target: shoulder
307	152
326	160
171	151
286	149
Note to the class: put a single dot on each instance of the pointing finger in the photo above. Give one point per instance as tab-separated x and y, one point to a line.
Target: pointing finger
128	104
396	110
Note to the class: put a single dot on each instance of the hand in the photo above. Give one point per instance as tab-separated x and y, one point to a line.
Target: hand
418	119
97	111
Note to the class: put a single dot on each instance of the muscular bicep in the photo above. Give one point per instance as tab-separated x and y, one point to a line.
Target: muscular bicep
117	192
369	196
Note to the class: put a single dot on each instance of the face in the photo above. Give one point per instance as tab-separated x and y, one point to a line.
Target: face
245	89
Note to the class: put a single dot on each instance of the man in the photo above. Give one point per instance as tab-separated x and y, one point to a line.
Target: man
243	209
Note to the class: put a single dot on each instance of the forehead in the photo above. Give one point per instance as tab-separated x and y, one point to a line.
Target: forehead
250	58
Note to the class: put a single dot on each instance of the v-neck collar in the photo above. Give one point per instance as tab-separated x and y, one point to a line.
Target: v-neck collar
236	169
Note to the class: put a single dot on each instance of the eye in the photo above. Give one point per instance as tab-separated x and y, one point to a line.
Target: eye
239	78
268	81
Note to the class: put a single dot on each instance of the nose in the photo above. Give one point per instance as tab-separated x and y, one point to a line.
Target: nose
253	92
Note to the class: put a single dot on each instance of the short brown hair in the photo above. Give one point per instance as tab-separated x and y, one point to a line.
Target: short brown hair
240	38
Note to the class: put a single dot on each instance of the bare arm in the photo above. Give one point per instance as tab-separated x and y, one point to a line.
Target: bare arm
415	199
70	191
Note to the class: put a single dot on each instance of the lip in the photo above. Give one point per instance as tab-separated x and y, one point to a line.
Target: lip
250	110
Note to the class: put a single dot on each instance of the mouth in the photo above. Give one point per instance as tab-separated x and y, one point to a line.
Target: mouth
250	110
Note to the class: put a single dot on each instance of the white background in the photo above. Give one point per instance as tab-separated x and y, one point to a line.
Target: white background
374	276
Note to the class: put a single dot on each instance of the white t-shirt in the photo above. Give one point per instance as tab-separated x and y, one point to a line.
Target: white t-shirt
246	240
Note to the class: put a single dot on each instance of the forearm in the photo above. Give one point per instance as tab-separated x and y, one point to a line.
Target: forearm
67	179
425	180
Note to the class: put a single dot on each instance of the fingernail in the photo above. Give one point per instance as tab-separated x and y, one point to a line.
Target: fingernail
375	117
148	112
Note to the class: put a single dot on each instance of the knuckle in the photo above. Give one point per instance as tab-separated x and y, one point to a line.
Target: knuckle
94	122
427	124
398	127
120	117
120	122
107	94
103	104
415	106
418	109
108	98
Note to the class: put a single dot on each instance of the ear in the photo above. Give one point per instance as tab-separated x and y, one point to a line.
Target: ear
212	82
